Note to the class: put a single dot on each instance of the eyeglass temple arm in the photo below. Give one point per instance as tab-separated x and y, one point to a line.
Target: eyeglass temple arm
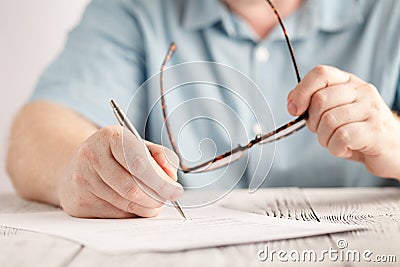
289	44
171	50
256	140
297	121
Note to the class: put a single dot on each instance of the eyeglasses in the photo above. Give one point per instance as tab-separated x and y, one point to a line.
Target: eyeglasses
235	154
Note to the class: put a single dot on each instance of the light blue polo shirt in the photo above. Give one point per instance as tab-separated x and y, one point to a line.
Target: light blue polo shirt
120	44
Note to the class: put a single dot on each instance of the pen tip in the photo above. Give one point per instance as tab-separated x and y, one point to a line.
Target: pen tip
179	209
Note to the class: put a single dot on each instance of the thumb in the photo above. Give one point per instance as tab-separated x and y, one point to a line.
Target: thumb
165	158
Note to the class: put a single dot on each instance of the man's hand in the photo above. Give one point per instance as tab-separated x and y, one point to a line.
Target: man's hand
350	118
114	176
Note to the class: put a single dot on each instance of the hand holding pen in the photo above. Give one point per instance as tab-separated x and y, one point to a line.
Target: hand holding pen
124	121
98	181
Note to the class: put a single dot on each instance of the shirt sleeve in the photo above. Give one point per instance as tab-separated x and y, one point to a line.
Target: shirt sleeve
102	59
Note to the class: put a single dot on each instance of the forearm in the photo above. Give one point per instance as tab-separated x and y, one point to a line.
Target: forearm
44	138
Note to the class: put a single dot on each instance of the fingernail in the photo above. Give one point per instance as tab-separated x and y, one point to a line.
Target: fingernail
292	108
177	194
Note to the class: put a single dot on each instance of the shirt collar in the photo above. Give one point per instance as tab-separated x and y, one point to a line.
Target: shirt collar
199	14
334	16
314	15
321	16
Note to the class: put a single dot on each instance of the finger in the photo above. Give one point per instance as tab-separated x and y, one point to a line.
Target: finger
337	117
165	158
110	196
131	153
113	177
329	98
148	197
356	156
350	137
144	212
320	77
92	206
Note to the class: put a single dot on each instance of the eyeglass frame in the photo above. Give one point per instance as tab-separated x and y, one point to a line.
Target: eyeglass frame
291	127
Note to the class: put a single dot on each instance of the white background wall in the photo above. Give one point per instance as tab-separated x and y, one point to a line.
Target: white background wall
32	32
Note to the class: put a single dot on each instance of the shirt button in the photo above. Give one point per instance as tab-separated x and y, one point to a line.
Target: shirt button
262	54
257	129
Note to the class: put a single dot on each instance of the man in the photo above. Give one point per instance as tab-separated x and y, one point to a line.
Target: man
63	151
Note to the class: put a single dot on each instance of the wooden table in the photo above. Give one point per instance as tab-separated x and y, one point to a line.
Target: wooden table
376	208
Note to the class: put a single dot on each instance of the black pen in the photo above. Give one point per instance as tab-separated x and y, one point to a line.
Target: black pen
125	122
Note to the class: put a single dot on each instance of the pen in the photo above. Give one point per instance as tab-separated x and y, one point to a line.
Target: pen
125	122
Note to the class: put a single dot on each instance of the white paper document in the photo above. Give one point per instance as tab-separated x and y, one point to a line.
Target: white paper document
206	227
